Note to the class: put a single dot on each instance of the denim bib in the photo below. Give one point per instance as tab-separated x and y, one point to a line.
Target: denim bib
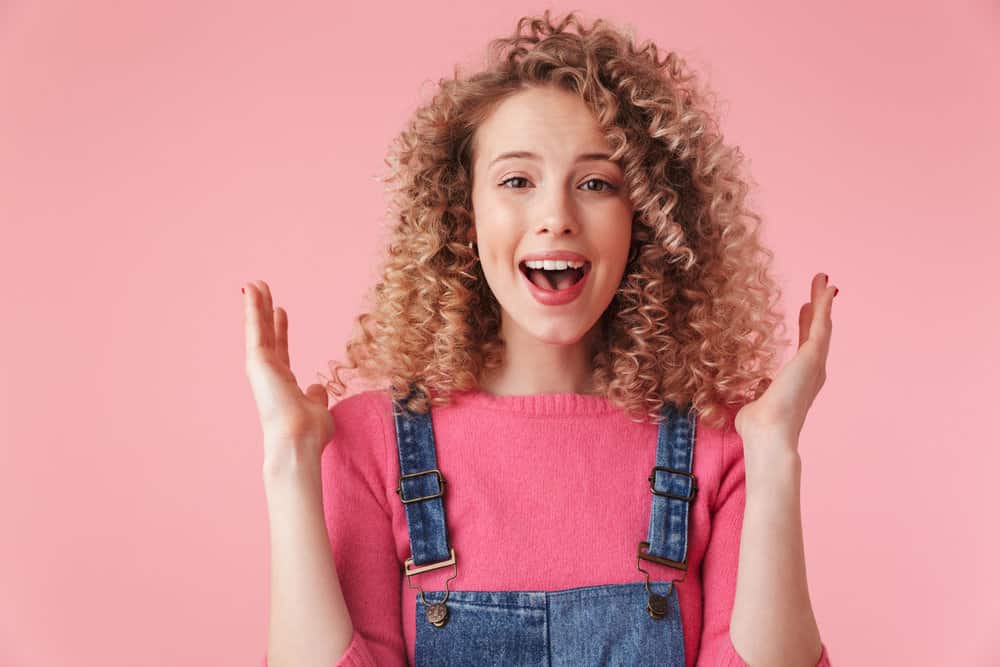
614	624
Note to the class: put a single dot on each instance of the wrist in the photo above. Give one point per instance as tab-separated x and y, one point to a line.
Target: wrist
771	458
283	465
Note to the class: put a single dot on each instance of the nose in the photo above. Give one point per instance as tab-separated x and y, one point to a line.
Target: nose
559	217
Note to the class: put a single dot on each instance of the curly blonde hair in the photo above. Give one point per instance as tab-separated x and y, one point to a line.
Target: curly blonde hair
694	320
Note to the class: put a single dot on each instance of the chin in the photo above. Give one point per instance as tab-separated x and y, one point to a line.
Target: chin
561	340
556	336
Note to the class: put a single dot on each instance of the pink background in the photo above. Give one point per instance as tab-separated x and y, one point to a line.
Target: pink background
153	156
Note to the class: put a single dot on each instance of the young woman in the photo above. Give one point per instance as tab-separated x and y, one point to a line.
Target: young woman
573	452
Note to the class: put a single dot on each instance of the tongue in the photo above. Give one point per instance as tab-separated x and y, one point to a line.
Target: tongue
565	278
553	280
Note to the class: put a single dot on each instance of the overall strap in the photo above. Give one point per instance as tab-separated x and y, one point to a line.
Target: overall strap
673	488
421	485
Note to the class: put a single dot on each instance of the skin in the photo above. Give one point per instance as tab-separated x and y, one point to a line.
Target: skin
523	205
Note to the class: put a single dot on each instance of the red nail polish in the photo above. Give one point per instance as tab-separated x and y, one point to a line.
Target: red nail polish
826	279
835	290
243	290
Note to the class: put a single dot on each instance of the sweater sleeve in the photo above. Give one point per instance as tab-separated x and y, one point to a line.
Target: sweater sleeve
359	527
721	562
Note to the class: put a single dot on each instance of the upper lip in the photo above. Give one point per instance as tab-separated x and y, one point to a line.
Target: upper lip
566	255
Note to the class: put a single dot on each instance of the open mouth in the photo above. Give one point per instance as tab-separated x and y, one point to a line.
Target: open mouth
554	279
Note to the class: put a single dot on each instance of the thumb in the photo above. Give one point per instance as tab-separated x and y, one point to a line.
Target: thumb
317	394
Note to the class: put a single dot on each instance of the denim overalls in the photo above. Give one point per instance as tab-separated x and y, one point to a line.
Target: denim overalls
615	624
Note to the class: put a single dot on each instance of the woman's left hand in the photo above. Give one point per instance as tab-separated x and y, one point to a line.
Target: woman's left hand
776	417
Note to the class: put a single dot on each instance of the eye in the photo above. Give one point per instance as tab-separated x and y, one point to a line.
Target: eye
513	178
608	186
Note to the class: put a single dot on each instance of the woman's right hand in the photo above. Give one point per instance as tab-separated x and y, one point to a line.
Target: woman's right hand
296	424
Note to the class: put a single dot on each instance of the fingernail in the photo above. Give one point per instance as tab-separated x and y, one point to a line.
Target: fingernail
835	290
826	279
243	290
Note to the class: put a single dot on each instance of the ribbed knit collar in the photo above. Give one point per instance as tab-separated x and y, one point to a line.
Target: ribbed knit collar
537	404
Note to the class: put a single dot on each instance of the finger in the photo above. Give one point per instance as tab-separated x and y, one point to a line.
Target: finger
821	324
816	287
266	311
281	334
805	318
251	318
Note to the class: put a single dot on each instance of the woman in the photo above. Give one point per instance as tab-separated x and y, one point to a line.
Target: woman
575	285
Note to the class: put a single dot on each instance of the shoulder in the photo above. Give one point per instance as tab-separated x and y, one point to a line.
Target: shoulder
362	405
354	463
359	422
719	457
723	439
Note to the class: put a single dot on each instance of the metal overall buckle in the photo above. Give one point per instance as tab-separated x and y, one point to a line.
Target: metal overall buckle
657	605
437	612
440	478
667	494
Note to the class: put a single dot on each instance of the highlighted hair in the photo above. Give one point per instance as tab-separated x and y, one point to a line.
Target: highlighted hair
695	318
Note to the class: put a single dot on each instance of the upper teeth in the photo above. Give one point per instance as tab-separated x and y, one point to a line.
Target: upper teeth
553	264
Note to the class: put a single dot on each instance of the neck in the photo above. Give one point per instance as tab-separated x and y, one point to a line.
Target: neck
532	366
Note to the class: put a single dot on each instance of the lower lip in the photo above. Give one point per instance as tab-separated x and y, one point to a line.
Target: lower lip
550	297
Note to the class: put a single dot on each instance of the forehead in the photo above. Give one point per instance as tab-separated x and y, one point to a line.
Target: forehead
548	121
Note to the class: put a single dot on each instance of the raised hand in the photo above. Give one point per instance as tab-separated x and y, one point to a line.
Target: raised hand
777	416
296	424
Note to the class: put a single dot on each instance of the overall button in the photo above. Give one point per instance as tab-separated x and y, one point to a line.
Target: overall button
437	614
657	606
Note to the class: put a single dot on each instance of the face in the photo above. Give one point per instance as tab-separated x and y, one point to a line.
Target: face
562	198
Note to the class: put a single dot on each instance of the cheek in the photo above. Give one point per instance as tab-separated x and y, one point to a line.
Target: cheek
617	240
496	245
498	235
616	258
497	255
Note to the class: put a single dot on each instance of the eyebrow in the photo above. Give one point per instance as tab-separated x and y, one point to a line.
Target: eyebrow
585	157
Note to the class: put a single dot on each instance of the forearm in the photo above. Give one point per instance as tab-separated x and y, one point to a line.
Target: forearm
309	622
772	621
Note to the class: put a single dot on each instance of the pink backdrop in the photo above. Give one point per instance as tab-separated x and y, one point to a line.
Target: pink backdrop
153	156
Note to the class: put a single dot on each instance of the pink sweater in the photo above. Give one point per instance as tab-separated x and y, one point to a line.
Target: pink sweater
514	518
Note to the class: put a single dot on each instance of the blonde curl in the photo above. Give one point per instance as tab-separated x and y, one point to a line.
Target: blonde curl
695	319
